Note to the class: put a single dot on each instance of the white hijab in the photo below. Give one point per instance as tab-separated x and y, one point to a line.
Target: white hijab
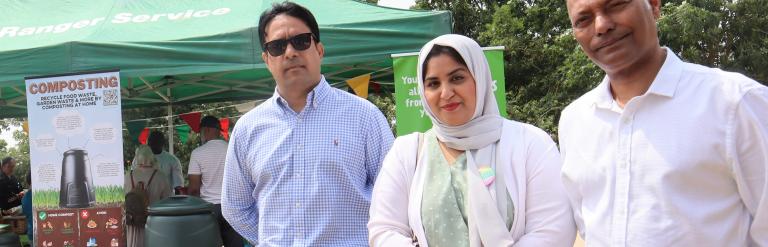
479	138
144	158
485	126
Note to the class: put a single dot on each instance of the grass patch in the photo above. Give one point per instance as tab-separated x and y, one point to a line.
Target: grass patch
110	194
45	198
104	195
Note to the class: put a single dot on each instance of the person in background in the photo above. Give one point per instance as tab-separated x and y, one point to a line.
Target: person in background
146	172
11	191
206	172
474	179
662	152
301	166
167	162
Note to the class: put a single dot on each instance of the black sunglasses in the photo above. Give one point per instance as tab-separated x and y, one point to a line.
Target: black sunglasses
299	42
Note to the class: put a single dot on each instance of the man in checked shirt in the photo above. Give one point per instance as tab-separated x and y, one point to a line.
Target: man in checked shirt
301	166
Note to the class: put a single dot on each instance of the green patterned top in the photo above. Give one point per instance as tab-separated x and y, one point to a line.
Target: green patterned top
444	201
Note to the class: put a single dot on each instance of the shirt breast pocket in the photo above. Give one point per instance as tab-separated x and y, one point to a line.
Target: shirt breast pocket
342	158
268	167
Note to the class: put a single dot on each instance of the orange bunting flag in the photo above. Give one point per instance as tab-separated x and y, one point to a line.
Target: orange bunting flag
360	85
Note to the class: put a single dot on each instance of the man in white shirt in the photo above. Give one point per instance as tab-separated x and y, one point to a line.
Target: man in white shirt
662	152
206	171
166	162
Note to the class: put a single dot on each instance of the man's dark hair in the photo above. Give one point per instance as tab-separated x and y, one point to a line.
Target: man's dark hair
156	141
290	9
7	160
439	50
155	137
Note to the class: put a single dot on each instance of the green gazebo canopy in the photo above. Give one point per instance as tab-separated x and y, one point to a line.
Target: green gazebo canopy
191	51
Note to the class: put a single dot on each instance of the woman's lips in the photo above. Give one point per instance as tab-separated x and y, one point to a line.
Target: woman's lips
450	106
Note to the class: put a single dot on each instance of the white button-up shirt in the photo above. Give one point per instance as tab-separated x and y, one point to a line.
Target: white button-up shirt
682	165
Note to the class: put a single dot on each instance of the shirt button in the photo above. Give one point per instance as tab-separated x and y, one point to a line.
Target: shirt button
298	205
627	120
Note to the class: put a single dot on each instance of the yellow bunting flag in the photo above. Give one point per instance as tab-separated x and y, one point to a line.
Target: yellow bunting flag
360	85
25	127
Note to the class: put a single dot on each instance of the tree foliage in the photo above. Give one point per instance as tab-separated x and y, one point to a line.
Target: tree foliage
20	152
469	16
386	104
732	35
545	68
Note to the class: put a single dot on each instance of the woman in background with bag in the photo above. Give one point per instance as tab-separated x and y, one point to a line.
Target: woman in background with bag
155	188
474	179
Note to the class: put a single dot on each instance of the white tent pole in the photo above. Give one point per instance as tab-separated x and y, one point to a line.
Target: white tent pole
170	124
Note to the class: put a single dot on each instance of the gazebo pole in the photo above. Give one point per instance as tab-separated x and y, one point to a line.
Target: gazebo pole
170	123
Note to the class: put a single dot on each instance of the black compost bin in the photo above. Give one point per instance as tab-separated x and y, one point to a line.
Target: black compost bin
182	221
76	181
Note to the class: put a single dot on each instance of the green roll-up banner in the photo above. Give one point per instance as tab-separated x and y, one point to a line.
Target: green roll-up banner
409	113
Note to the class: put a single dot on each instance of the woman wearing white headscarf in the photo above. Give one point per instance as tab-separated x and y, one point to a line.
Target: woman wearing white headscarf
474	179
158	189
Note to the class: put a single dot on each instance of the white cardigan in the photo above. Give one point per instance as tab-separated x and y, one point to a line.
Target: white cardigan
542	213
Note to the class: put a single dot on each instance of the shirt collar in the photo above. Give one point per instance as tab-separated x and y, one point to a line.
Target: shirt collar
314	98
603	96
665	83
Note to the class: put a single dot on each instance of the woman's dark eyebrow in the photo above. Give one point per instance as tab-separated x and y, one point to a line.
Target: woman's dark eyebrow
451	73
457	70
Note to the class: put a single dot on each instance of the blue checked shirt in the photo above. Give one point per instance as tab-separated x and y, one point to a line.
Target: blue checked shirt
305	179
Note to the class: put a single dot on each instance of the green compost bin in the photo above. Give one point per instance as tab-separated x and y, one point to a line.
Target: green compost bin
182	221
9	239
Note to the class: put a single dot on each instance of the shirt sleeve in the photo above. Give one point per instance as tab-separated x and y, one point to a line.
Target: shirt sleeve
238	206
5	194
10	188
194	164
378	142
548	217
388	224
748	146
26	204
177	176
569	183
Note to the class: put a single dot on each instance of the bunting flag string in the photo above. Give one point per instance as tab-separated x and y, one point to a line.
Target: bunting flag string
192	119
251	103
360	85
138	130
224	122
135	128
144	136
183	132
